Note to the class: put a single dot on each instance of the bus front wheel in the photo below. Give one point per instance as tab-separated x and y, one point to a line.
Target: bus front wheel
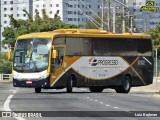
125	87
69	85
37	90
95	89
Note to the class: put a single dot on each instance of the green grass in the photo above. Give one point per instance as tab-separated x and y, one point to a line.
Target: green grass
158	92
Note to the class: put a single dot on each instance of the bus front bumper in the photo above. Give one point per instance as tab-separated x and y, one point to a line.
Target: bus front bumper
43	83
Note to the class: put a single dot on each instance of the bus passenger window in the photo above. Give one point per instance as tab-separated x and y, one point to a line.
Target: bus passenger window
57	63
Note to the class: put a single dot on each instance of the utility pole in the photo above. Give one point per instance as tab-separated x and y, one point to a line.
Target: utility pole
131	23
114	20
145	25
123	20
156	72
102	14
108	21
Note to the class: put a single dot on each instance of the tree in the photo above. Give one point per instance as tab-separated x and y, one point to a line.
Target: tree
155	33
38	24
5	66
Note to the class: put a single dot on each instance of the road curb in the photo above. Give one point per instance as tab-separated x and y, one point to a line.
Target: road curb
156	95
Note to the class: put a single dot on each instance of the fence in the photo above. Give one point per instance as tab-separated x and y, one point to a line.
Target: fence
5	77
158	68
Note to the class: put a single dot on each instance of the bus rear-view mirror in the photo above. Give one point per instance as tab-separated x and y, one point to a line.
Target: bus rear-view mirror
54	54
9	53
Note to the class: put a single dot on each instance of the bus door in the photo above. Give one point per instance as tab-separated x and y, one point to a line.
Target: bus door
57	67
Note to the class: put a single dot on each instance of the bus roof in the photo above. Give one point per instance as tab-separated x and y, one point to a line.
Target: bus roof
84	33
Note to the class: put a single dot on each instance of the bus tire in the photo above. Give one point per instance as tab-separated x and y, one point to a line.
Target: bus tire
125	87
69	86
37	90
95	89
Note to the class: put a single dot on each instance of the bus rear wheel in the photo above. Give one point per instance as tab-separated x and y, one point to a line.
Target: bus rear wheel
37	90
125	87
69	86
95	89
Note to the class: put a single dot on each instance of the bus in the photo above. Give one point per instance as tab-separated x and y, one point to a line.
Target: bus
90	58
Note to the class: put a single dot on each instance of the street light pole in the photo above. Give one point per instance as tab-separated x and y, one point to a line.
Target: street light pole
102	14
123	20
108	21
114	20
156	72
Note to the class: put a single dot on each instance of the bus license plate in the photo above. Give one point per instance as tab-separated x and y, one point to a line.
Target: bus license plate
28	82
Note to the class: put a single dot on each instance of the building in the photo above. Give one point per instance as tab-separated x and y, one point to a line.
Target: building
76	12
144	19
14	8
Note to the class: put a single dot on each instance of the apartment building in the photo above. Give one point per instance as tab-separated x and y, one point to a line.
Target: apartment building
144	19
14	8
76	12
71	11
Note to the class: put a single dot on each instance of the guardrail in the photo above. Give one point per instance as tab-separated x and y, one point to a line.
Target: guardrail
5	76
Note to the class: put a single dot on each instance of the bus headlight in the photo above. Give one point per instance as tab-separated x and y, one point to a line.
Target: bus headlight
44	76
15	76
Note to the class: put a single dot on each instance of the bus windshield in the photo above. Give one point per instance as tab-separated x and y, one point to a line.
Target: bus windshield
31	55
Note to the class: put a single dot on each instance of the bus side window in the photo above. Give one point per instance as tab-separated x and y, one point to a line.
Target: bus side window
57	63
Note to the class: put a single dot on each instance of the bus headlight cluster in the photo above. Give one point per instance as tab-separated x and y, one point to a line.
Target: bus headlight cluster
44	76
15	76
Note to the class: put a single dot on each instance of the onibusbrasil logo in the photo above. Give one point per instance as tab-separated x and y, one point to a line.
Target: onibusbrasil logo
149	6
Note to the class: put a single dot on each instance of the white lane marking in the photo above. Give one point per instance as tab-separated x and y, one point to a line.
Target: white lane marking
91	99
95	100
101	102
107	105
6	104
7	108
88	97
115	107
147	60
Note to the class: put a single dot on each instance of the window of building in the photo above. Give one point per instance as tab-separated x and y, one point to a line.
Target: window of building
89	6
5	9
50	5
11	2
74	19
44	5
5	22
17	15
37	6
11	9
57	5
70	19
50	12
24	15
82	6
5	15
5	2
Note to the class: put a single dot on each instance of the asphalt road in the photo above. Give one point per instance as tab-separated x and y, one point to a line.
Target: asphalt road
85	103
